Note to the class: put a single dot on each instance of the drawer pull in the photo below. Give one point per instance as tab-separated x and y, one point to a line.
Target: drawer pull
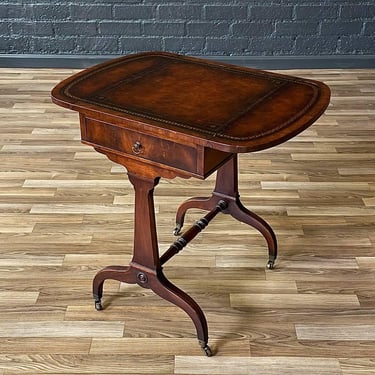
137	148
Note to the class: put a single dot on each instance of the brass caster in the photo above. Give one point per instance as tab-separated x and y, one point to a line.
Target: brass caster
177	230
98	305
206	349
271	264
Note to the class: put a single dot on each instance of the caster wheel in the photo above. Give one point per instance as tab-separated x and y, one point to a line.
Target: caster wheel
207	351
271	265
98	305
177	230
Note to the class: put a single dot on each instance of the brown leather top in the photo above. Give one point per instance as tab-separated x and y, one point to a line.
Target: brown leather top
231	108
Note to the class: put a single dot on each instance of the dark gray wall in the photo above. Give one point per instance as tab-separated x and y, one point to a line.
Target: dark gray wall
218	27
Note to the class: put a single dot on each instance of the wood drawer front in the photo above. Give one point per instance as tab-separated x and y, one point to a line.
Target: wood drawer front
150	148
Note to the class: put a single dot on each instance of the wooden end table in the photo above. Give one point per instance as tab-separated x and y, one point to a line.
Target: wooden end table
166	115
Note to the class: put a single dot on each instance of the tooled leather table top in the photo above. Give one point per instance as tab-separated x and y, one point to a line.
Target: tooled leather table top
234	109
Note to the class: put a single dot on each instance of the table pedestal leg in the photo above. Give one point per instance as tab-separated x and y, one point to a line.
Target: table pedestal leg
226	189
145	268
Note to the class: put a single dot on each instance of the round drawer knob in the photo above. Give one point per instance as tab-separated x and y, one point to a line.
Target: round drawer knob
137	148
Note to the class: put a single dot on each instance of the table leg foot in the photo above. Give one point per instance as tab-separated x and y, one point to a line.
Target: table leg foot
271	263
177	229
206	349
98	303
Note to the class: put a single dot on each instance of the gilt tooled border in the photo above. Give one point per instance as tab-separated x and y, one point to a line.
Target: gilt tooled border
134	77
285	123
284	80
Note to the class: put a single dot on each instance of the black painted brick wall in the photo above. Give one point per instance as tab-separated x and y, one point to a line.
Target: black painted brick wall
218	27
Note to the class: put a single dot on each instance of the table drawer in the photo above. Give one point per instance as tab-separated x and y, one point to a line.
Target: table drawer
139	145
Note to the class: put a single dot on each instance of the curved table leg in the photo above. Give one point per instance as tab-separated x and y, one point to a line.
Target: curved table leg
202	203
168	291
119	273
241	213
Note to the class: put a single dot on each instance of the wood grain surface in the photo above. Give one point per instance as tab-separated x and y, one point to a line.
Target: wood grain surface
66	211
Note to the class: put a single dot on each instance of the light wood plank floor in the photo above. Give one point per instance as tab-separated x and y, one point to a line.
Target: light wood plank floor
66	211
